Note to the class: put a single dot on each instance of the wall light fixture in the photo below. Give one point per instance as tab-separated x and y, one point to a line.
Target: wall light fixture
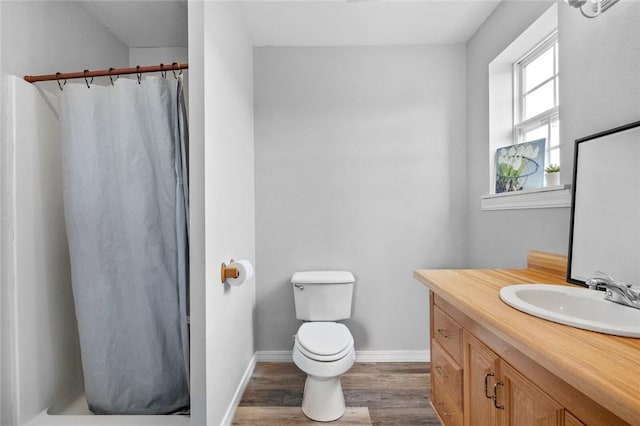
592	8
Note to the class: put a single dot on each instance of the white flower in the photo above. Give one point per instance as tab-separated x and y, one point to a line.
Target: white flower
528	151
535	153
517	163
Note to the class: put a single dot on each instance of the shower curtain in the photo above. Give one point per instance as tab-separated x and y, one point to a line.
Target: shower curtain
124	153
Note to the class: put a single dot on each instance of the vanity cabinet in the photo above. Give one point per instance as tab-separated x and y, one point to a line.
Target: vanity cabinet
540	372
472	385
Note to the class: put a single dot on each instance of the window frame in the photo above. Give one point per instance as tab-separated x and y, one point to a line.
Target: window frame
501	120
521	125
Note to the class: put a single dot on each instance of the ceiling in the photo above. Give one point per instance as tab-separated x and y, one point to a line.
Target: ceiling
163	23
358	23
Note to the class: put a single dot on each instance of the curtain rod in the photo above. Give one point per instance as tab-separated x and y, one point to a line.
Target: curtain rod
106	73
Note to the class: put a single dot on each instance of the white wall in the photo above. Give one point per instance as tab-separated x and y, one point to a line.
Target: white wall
502	238
229	206
600	89
4	383
601	61
157	55
197	273
47	367
360	166
42	37
37	313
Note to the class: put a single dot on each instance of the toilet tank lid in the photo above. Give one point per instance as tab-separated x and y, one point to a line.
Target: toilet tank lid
322	277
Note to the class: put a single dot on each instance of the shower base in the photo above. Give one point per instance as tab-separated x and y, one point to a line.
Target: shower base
77	413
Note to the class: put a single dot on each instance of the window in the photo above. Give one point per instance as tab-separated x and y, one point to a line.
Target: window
524	106
536	98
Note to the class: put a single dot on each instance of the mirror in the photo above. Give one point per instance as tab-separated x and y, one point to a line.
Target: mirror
605	212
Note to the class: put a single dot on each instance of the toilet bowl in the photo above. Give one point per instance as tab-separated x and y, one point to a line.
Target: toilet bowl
323	348
324	351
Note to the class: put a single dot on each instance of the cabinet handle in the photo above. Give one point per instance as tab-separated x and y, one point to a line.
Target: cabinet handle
442	412
441	372
495	396
443	333
486	385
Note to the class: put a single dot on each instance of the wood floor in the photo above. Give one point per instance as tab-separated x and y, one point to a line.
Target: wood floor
375	393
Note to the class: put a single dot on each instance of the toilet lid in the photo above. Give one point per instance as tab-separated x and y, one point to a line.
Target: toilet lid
323	277
324	338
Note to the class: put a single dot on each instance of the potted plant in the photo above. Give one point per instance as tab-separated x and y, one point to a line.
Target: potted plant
552	175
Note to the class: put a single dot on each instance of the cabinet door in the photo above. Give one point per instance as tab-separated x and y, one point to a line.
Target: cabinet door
524	403
480	375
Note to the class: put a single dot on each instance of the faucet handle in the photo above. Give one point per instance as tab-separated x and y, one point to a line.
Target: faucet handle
594	283
604	275
619	292
601	274
600	281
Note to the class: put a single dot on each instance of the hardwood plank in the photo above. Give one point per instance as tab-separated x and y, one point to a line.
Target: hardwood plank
400	399
273	397
288	416
385	381
391	416
369	368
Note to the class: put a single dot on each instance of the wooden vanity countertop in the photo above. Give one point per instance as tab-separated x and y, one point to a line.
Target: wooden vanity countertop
604	368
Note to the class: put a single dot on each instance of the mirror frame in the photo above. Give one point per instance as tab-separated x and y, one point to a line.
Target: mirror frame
574	186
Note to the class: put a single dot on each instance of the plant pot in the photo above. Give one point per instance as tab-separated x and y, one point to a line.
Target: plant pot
552	179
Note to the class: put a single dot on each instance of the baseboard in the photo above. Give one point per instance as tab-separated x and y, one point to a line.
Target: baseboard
237	397
393	356
274	356
361	356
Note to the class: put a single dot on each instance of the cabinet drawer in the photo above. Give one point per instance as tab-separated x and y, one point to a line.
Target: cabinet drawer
447	333
447	373
449	413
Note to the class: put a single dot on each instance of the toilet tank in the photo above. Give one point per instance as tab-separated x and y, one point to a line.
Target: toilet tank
322	295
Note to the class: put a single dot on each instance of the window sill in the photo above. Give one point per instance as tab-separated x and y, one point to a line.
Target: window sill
543	198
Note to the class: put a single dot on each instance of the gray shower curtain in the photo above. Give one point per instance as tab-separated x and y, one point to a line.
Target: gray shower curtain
124	153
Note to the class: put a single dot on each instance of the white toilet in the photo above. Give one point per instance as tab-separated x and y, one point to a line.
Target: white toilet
323	348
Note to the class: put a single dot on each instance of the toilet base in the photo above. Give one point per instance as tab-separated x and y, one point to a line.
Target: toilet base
323	400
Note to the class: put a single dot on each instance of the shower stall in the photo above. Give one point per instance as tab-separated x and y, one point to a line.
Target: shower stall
48	380
41	378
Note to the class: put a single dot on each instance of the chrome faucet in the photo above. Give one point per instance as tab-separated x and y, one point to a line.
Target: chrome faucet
618	292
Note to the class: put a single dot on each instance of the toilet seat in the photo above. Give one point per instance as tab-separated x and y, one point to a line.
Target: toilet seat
324	341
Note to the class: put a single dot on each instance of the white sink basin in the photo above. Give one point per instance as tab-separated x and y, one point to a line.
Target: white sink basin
574	306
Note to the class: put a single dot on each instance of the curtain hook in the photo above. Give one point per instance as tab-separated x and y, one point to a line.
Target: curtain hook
138	73
58	80
89	83
163	72
174	66
111	76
